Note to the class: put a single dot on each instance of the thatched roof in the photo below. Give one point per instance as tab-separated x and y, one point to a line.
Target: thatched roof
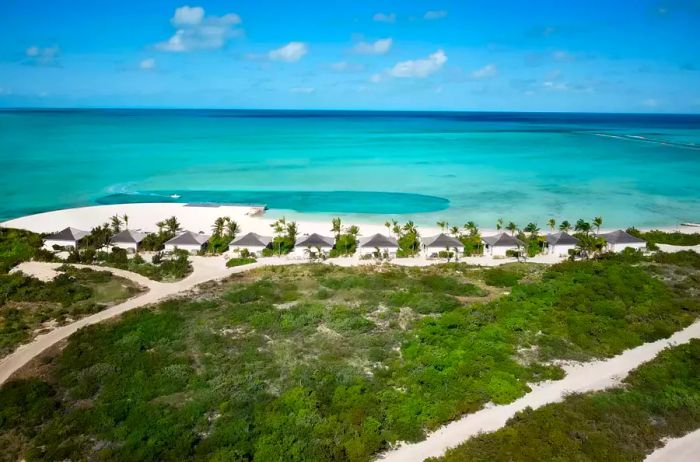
315	240
620	237
378	241
188	238
561	238
252	240
502	240
68	235
128	237
442	240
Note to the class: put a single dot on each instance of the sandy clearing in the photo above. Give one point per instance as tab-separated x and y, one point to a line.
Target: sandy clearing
683	449
595	375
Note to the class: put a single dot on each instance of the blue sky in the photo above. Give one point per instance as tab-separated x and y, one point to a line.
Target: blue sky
604	56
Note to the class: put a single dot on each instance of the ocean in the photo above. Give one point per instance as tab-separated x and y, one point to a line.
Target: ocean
641	170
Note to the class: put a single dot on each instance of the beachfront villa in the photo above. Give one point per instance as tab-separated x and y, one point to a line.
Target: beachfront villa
370	245
69	237
500	244
252	242
433	245
313	243
617	241
128	240
188	241
560	243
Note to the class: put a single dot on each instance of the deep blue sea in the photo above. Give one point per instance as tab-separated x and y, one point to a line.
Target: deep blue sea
641	170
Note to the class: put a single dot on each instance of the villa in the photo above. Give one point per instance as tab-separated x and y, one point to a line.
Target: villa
128	240
617	241
560	243
252	242
69	237
433	245
313	242
188	241
378	243
500	244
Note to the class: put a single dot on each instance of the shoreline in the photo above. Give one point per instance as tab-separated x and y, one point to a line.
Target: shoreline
198	217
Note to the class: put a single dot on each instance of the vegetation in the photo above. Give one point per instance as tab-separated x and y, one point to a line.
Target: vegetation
660	399
314	362
161	268
285	236
345	239
28	305
224	231
407	236
662	237
240	261
17	245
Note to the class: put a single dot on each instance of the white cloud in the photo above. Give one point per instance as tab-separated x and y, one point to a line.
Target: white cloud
344	66
651	102
489	70
380	47
435	14
42	56
376	78
562	56
188	15
291	52
303	90
148	64
419	67
197	31
384	17
557	86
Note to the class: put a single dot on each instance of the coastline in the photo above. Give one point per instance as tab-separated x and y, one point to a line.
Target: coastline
196	218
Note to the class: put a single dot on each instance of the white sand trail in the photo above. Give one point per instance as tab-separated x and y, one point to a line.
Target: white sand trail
595	375
683	449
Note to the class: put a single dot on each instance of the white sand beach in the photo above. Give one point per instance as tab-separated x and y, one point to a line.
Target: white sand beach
198	218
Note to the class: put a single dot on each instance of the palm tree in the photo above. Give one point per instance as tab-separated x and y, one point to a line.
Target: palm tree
116	224
353	230
442	225
160	225
454	231
218	227
499	224
393	227
565	226
512	227
292	231
410	228
552	223
172	225
597	222
125	219
582	226
532	229
337	227
278	226
232	228
472	228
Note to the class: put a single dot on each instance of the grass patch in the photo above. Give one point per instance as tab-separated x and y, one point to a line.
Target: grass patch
240	261
660	399
316	362
28	304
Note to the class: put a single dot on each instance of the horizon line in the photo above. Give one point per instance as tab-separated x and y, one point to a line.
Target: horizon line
444	111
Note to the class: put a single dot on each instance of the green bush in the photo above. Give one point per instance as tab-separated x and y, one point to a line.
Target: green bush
17	246
240	261
500	277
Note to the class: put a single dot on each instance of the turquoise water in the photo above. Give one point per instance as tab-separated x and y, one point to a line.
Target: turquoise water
631	169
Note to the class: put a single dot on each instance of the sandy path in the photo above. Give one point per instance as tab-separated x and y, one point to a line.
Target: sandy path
595	375
205	269
683	449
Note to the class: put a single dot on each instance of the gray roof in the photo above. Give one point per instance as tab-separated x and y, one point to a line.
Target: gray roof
68	235
188	238
620	237
561	238
315	240
252	240
502	240
379	241
128	237
442	240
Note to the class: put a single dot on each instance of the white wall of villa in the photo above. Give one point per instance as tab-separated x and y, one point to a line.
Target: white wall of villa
301	252
128	246
431	251
561	250
191	248
49	243
498	250
362	251
620	247
252	249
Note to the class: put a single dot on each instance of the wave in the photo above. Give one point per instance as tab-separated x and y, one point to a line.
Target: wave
644	139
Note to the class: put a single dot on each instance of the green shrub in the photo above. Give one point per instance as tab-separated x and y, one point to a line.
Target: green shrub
240	261
500	277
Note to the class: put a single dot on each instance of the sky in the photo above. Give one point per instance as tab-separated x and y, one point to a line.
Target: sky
539	55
